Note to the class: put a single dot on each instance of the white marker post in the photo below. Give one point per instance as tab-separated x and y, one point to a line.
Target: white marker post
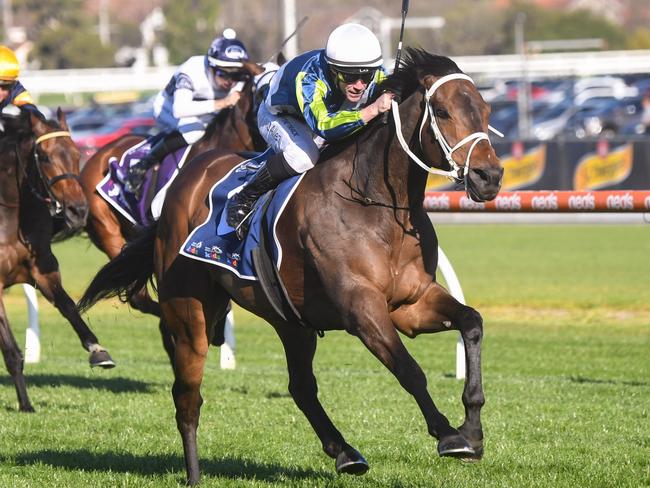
227	350
456	291
33	331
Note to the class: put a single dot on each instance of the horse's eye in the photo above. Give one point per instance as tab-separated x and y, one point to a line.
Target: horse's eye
441	113
44	158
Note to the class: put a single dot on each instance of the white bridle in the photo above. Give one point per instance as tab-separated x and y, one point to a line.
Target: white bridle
447	149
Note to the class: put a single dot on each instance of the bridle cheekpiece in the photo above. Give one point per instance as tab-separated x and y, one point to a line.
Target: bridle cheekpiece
457	172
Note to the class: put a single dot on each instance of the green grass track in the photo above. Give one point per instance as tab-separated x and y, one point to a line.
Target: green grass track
566	369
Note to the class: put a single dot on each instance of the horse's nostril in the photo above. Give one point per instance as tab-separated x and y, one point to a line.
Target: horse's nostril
77	214
482	174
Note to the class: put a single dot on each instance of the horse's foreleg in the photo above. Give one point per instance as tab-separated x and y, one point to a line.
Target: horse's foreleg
436	311
300	346
372	324
52	289
13	359
185	317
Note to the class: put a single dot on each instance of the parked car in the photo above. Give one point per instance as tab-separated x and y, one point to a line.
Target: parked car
90	141
551	122
88	119
605	121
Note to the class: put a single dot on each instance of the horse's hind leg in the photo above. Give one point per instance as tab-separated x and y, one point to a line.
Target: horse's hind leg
50	285
13	359
300	346
190	305
437	311
185	317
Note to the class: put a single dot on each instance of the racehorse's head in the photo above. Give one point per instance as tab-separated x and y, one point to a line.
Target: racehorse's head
57	161
453	129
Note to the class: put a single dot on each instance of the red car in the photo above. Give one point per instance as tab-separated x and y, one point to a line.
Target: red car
89	142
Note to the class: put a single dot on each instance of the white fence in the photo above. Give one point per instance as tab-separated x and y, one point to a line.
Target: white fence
33	334
483	68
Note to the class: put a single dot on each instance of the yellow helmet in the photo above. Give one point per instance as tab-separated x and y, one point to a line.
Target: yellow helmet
9	67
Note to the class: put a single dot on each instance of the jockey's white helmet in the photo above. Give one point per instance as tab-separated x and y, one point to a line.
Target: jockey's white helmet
352	46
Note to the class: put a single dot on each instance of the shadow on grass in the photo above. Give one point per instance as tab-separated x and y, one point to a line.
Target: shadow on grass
161	465
582	379
114	385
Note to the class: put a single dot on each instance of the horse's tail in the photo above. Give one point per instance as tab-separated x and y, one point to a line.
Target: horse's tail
125	274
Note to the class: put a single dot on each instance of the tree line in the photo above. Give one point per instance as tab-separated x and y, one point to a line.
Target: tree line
64	34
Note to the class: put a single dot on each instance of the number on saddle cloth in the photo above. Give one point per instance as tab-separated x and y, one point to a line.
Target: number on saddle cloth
215	242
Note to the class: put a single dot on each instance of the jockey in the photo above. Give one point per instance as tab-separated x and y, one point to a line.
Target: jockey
319	96
12	92
199	89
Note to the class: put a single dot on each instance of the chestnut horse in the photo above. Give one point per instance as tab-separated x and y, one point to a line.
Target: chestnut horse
359	253
40	199
232	130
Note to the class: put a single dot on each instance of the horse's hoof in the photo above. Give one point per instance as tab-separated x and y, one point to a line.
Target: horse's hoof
473	458
350	461
455	446
476	441
102	359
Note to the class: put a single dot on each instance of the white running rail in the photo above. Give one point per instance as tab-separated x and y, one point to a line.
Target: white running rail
33	334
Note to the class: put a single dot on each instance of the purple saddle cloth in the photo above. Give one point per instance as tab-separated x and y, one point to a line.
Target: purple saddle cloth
146	209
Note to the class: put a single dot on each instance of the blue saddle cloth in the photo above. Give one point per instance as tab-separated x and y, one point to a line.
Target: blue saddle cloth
215	242
141	210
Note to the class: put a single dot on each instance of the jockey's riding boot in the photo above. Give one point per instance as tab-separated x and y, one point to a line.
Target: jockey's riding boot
135	174
266	178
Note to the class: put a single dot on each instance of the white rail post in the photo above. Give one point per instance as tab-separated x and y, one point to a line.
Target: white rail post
456	291
33	331
227	350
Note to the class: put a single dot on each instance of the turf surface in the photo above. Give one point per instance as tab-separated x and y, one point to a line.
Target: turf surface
566	376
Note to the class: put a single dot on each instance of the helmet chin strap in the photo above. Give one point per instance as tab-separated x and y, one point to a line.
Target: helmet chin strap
457	171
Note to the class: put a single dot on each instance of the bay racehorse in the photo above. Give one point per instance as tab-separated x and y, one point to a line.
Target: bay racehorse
40	199
232	130
358	253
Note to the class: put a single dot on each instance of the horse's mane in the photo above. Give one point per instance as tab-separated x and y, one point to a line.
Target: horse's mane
415	64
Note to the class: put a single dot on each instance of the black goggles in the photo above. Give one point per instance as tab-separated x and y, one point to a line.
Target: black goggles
231	75
366	76
7	85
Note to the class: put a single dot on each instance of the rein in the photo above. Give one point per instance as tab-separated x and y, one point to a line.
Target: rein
457	172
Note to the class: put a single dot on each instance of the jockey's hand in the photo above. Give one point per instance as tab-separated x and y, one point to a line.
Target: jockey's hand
384	102
379	106
228	101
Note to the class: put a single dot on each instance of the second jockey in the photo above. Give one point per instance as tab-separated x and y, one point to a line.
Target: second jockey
12	92
199	89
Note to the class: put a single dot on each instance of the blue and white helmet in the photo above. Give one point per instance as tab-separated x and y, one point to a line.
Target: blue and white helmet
226	51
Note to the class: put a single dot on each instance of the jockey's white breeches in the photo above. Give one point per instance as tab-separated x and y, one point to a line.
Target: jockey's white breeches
289	135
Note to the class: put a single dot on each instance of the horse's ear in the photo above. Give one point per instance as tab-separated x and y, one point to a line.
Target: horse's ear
253	69
38	125
60	116
280	59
